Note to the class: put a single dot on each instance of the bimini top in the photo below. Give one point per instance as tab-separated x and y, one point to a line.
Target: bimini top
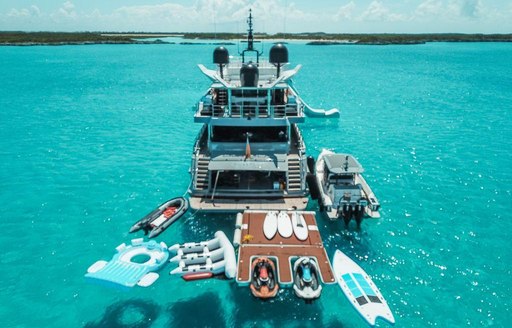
342	163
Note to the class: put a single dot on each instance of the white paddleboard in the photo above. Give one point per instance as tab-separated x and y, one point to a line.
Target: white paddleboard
360	290
284	225
270	225
299	226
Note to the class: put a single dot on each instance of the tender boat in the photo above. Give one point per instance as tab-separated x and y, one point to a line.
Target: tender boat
250	153
306	283
343	192
161	218
264	280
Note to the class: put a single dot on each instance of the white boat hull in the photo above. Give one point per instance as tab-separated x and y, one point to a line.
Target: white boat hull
360	290
333	209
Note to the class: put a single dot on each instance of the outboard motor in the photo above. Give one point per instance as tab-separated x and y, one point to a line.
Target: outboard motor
347	214
359	215
314	191
249	74
221	58
278	56
311	164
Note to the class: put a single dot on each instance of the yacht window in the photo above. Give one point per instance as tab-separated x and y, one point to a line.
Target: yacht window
256	134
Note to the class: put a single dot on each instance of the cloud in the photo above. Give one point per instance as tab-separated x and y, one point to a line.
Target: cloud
455	10
345	12
377	11
270	16
18	13
32	11
66	12
162	11
470	8
207	15
430	8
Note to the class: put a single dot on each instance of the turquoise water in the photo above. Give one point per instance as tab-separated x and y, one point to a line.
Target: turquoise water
94	137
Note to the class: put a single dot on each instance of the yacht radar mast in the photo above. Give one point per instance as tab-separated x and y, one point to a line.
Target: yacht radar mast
250	40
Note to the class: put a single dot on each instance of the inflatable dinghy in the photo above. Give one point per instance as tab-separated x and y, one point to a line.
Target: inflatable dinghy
215	256
306	283
264	278
132	265
360	290
161	218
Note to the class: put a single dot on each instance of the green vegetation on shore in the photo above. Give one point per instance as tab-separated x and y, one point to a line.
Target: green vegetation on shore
59	38
331	38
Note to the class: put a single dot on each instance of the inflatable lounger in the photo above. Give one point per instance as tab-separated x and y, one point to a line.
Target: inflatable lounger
132	265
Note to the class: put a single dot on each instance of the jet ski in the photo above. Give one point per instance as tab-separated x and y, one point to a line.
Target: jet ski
263	282
305	279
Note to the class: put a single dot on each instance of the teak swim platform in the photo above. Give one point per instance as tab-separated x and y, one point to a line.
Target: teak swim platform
282	250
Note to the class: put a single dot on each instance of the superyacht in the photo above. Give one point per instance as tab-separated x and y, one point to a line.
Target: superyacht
249	153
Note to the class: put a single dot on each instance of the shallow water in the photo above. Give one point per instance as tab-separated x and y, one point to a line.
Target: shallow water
93	137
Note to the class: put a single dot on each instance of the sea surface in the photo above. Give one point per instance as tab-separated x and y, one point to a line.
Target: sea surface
94	137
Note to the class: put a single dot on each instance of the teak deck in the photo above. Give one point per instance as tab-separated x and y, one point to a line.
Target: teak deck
237	205
282	250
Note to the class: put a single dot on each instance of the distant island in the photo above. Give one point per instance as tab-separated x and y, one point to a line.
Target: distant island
64	38
317	38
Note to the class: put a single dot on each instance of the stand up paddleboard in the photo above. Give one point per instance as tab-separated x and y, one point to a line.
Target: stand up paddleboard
299	226
360	290
270	225
284	225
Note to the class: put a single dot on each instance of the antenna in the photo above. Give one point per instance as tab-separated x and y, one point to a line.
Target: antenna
250	40
214	24
250	37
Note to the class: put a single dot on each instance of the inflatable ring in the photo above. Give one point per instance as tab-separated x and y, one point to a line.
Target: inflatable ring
155	255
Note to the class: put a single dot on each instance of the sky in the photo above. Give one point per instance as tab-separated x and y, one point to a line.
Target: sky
271	16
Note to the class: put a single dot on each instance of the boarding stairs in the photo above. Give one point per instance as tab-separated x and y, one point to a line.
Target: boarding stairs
222	97
294	174
202	177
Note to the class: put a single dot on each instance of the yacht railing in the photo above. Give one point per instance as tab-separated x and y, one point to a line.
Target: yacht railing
302	158
250	110
197	142
300	140
195	154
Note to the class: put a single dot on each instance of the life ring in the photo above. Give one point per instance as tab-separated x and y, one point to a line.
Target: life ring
155	256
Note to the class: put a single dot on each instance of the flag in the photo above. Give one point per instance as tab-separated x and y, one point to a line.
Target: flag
247	148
